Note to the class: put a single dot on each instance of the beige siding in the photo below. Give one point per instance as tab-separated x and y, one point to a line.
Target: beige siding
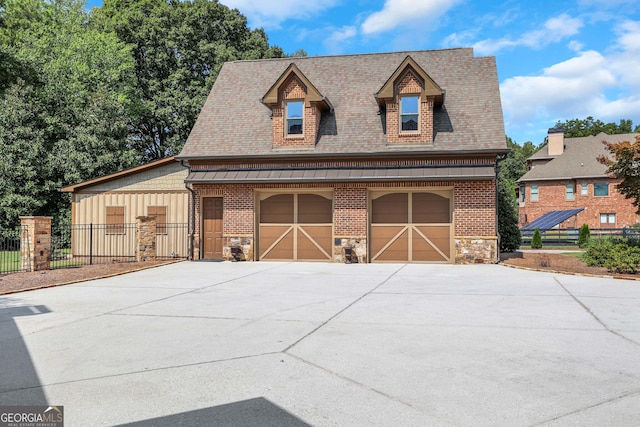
166	177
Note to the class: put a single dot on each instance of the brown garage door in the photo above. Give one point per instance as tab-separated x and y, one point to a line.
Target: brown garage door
409	227
296	227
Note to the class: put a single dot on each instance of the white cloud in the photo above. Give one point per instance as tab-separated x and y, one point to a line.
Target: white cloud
269	14
605	86
554	30
335	43
396	13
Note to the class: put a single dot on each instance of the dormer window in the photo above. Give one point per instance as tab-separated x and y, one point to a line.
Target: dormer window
409	113
295	117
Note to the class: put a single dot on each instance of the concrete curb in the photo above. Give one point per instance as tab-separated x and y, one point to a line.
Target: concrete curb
570	273
87	279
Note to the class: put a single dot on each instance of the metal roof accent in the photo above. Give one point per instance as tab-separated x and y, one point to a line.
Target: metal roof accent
253	176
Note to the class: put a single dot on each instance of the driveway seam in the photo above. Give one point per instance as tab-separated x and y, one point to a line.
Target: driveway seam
588	310
595	405
313	331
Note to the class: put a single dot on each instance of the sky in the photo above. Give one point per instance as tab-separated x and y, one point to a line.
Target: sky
557	60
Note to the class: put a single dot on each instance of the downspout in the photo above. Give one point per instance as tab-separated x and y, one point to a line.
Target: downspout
191	219
497	169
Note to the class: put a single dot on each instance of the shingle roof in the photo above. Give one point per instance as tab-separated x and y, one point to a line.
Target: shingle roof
233	122
579	159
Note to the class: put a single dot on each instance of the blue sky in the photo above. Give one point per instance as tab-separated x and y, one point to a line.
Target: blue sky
557	60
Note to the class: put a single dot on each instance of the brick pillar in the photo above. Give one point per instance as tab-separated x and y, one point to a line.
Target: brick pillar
145	238
35	243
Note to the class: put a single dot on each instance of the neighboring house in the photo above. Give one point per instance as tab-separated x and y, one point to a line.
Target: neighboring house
110	204
565	175
370	158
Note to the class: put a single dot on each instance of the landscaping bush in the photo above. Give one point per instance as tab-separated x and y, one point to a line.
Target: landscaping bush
536	240
585	235
615	254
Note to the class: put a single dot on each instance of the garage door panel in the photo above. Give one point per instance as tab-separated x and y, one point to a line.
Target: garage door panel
320	234
394	250
406	227
390	209
276	243
306	232
277	209
314	209
430	208
431	249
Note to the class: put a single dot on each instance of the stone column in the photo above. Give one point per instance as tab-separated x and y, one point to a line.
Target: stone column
145	238
35	243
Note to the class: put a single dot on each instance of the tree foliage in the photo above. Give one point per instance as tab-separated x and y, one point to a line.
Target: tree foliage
179	48
85	94
584	236
536	240
590	127
510	238
625	165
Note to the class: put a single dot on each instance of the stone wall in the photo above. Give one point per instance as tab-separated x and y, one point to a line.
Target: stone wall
35	245
146	238
474	250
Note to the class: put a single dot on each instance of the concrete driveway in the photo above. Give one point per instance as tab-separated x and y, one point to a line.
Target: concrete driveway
258	344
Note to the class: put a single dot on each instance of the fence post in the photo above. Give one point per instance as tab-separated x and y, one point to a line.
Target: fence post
91	244
35	243
146	238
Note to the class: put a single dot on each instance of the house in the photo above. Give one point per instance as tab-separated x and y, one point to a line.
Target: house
565	176
363	158
104	210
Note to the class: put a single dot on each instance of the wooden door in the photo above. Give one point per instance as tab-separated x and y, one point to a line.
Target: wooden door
408	227
212	227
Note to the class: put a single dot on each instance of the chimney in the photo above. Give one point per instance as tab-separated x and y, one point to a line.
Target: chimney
556	141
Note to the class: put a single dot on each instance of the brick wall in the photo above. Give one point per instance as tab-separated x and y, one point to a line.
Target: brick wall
475	208
409	85
474	212
552	196
295	90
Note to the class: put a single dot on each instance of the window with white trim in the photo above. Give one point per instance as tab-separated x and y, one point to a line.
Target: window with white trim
295	117
607	219
409	113
534	193
584	189
570	191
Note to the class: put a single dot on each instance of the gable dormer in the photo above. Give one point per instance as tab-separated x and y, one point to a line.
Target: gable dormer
296	108
409	97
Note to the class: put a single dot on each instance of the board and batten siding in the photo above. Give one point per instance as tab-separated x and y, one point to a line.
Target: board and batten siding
159	186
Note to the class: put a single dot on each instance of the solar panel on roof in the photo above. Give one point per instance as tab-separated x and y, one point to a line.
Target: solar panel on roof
550	220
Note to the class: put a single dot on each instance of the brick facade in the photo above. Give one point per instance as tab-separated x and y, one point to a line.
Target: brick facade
473	214
552	196
294	90
409	85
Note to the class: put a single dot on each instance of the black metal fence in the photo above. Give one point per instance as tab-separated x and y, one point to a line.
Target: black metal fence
88	244
569	237
11	242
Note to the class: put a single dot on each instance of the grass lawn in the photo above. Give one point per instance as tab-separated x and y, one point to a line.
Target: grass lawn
9	261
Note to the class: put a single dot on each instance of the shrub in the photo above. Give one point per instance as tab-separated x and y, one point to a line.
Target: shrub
585	235
536	240
615	254
510	238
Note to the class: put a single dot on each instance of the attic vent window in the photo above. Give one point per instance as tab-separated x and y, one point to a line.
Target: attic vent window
294	117
409	113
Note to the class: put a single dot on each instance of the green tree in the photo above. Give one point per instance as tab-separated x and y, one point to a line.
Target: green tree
510	238
584	236
179	48
78	126
625	165
536	240
589	127
514	165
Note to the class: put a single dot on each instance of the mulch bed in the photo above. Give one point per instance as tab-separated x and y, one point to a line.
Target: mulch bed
17	282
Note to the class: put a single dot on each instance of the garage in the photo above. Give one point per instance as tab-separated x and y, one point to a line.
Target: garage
295	227
411	226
